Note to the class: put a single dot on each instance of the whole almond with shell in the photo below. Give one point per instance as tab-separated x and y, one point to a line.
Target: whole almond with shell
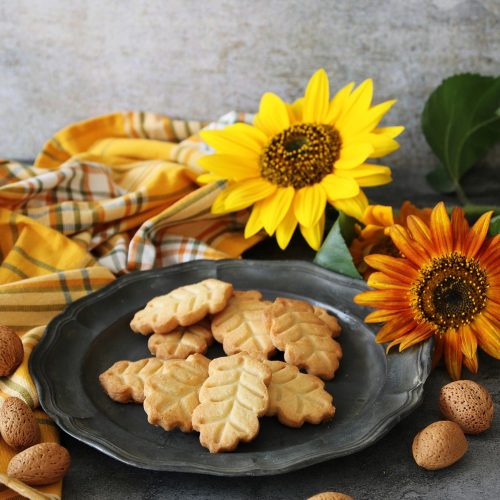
18	424
439	445
11	351
467	403
42	464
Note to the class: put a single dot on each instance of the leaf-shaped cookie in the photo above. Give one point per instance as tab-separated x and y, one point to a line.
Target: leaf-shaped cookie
305	339
330	321
181	342
183	306
171	396
232	398
241	327
296	397
124	381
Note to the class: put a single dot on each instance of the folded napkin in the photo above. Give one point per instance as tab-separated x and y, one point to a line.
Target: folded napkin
106	196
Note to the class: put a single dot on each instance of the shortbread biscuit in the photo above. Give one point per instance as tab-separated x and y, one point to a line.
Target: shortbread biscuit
330	321
305	339
172	396
241	327
124	381
181	342
296	397
232	398
183	306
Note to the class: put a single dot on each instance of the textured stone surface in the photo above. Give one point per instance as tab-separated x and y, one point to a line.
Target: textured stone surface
66	61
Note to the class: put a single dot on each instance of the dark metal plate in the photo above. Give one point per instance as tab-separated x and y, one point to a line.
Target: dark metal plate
372	391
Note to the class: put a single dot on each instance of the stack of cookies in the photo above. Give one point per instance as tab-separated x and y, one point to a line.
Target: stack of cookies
223	398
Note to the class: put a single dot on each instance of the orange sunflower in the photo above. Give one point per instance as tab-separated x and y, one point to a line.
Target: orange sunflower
374	237
446	285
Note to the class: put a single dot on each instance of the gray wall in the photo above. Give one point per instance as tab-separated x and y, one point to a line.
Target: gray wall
63	61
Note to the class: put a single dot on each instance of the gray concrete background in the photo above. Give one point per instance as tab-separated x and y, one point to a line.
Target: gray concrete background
65	61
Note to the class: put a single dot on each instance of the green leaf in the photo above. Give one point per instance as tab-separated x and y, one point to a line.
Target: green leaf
495	225
440	180
334	253
461	122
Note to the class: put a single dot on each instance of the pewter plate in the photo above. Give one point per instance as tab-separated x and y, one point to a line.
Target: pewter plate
372	392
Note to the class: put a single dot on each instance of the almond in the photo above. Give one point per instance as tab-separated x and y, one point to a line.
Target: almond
330	495
467	403
11	351
18	424
439	445
44	463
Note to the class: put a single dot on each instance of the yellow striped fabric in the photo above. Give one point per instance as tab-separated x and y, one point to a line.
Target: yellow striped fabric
106	196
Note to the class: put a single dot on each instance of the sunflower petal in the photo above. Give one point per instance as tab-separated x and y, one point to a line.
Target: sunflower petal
471	363
230	167
383	315
316	98
391	132
218	206
275	207
441	229
378	215
272	117
247	192
421	333
477	234
366	122
309	205
240	139
420	232
382	299
353	155
314	235
410	248
381	281
459	229
285	230
394	329
392	266
358	103
488	337
453	353
468	341
367	175
338	103
354	207
295	111
254	223
338	187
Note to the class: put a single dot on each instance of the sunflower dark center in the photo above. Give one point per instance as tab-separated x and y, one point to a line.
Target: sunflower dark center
301	155
450	292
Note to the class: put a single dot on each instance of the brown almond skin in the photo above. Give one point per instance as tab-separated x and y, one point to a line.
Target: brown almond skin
439	445
467	403
11	351
330	495
42	464
18	424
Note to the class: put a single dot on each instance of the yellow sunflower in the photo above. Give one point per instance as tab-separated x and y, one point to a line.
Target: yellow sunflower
447	285
296	158
374	237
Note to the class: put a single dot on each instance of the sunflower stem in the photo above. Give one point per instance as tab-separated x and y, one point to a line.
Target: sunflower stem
475	211
464	200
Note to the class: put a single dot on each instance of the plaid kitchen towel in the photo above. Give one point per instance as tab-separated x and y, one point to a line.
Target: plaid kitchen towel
106	196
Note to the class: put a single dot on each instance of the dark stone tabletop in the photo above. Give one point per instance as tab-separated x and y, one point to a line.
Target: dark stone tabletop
385	470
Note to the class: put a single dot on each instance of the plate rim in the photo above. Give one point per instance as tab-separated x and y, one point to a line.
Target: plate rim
72	426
